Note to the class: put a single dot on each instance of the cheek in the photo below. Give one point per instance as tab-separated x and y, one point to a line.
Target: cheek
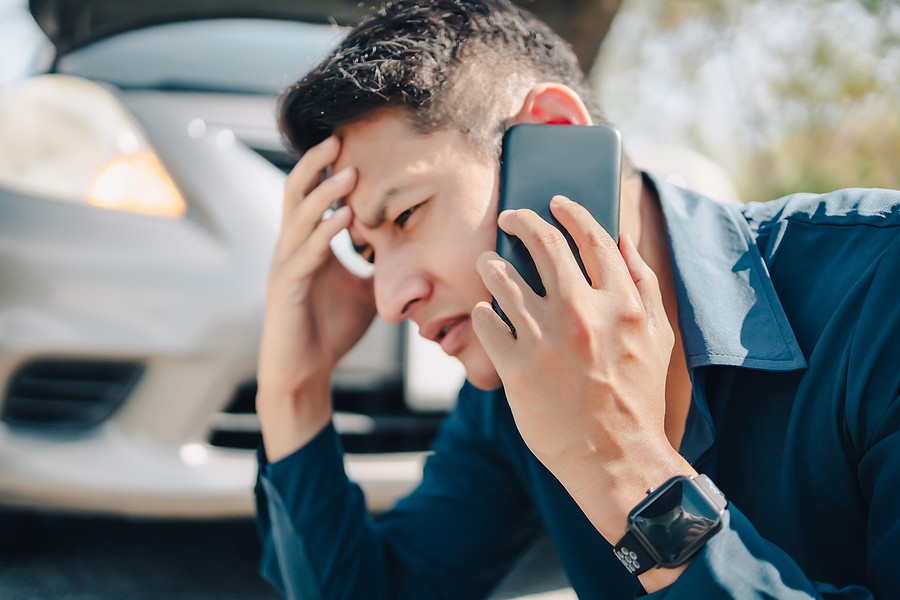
481	232
479	209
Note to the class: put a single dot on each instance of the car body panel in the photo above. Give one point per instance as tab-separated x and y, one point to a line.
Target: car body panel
181	297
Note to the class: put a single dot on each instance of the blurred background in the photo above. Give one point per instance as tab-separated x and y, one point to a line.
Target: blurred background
140	194
789	95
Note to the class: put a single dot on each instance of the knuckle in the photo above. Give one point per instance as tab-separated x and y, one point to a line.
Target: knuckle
598	239
649	275
632	313
579	329
496	272
550	240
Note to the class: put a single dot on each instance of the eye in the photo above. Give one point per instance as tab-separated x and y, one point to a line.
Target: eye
403	217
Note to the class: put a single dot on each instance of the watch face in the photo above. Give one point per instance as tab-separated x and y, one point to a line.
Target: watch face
676	522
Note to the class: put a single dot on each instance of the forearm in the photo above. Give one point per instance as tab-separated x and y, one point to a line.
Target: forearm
454	537
318	542
290	419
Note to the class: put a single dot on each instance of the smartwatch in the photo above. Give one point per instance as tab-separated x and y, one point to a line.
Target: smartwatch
671	524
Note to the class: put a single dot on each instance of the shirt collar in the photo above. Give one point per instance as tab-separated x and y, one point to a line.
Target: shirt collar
728	311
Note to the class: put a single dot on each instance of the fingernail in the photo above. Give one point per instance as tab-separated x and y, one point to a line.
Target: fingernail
343	174
558	200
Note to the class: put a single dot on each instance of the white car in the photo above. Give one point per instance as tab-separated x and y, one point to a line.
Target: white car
141	180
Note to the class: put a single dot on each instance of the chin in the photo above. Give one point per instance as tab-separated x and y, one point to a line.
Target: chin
480	370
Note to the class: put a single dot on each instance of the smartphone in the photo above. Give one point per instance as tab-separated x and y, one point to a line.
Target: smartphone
537	162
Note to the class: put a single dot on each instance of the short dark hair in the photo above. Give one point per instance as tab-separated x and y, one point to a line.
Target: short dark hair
447	63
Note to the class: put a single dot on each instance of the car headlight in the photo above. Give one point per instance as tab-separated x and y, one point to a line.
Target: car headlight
70	139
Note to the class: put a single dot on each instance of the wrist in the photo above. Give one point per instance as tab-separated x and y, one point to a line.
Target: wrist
659	578
667	529
289	421
607	492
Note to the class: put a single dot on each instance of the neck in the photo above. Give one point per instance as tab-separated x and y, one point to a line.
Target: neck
642	218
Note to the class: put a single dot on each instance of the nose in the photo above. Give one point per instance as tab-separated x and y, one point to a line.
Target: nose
400	284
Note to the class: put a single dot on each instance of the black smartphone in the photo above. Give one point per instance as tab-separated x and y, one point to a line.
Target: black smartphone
537	162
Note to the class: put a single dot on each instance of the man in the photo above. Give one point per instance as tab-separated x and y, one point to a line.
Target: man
754	344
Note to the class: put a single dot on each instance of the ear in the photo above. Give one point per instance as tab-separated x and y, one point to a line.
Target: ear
552	104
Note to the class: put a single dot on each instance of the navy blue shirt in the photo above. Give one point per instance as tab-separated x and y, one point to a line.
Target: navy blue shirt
790	318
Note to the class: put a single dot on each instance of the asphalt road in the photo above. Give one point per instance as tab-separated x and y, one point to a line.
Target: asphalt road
79	558
82	558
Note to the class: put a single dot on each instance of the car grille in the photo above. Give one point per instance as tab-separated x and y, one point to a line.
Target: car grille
368	422
70	394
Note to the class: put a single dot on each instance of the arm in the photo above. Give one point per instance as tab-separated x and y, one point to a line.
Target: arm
585	371
315	311
453	537
602	437
456	534
739	563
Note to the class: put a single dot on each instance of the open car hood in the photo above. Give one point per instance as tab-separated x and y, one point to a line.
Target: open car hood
71	24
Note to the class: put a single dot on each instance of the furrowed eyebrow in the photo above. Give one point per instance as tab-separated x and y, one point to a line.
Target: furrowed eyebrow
378	215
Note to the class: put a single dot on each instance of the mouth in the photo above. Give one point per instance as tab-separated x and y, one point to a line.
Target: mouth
447	333
443	331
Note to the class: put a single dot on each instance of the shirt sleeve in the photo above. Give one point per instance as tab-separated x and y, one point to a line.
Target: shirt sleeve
453	537
739	563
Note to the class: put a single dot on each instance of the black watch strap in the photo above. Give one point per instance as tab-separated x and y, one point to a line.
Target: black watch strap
633	555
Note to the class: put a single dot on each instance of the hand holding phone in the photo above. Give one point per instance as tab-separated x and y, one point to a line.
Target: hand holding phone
581	162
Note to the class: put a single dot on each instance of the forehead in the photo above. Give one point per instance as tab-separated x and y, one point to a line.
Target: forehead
389	154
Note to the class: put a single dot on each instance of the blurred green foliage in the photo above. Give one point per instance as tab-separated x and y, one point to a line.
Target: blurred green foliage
789	95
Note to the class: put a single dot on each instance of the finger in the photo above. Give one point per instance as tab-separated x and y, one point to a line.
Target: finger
645	281
305	218
599	254
548	247
307	173
317	250
512	293
494	335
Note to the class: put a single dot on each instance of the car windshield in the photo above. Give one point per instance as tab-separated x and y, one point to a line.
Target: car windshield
232	55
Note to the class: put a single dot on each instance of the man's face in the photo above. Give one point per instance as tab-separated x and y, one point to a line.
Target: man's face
424	208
